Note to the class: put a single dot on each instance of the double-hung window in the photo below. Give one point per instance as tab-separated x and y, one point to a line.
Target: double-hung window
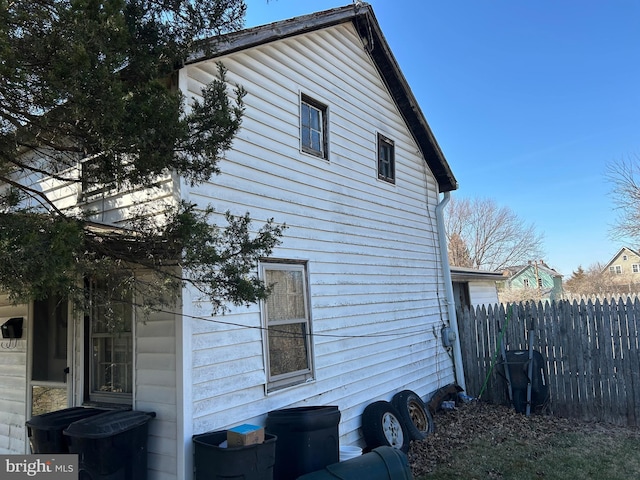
386	159
110	320
287	325
313	127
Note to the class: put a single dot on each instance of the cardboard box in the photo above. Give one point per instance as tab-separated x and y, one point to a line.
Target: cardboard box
244	435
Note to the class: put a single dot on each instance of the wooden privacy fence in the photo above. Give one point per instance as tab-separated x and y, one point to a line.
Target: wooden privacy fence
591	352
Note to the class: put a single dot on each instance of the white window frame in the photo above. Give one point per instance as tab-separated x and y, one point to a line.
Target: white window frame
280	381
635	267
322	131
525	282
615	269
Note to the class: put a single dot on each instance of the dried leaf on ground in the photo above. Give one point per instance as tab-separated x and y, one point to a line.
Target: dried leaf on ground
495	424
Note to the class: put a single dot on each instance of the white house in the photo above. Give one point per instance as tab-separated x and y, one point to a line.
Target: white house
474	288
334	144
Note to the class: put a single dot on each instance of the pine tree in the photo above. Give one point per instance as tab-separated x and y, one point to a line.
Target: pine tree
92	83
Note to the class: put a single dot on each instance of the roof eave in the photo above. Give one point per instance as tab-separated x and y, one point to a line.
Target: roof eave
369	30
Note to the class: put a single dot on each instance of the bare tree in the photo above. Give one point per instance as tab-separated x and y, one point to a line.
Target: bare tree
483	235
624	177
597	281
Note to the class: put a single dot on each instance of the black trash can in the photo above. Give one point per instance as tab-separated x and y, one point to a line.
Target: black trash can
382	463
111	446
251	462
518	364
308	439
45	431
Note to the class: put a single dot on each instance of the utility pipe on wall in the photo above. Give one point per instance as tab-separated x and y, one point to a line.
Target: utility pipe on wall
448	288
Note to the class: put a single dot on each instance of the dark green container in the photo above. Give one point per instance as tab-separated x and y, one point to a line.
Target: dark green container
382	463
308	439
45	431
111	445
252	462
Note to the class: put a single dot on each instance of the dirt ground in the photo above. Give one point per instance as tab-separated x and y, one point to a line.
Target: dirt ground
455	428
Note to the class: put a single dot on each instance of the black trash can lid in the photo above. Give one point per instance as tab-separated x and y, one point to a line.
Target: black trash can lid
61	418
108	424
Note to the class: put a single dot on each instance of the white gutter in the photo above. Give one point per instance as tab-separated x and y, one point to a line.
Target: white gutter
448	288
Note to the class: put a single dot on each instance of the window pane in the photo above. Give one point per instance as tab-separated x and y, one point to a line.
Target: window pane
315	120
304	113
316	141
111	365
306	138
288	348
286	300
48	399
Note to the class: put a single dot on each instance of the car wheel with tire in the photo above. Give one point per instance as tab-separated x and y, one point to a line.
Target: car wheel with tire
414	413
382	426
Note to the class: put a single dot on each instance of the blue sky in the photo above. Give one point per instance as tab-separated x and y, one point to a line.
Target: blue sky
529	101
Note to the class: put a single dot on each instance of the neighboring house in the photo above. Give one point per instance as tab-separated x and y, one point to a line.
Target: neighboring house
474	288
334	144
624	266
544	282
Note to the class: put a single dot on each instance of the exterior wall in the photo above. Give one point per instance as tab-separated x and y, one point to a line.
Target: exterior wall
13	378
371	246
625	261
156	390
483	293
550	284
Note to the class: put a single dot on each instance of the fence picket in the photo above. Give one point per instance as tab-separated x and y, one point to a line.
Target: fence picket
591	350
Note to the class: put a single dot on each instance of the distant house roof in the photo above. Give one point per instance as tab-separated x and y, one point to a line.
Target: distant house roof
610	262
516	270
366	24
463	274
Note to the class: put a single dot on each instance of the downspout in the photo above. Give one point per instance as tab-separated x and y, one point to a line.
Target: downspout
448	288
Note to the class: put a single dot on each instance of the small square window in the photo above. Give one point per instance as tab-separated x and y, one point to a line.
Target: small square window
313	127
386	159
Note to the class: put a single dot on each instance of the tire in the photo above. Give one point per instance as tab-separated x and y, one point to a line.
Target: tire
382	426
414	413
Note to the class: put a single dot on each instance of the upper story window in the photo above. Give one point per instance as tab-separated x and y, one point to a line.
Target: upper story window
617	269
386	159
288	325
313	127
92	184
624	258
635	268
525	282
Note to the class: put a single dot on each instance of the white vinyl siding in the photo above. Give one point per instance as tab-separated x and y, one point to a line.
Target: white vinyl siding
13	378
483	293
374	272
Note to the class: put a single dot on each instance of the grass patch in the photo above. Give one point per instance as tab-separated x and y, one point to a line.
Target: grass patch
515	447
